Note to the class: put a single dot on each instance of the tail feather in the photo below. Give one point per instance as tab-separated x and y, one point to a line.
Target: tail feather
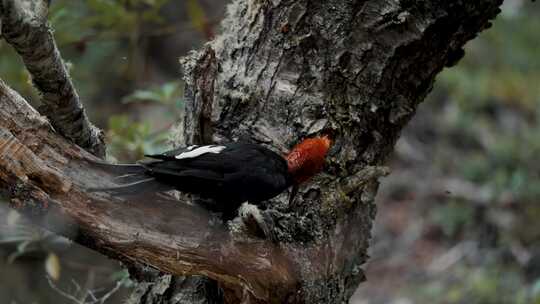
131	179
134	188
120	169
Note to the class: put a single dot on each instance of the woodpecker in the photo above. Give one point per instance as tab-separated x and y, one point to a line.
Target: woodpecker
228	174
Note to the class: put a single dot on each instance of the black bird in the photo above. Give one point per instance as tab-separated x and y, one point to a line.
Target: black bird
228	174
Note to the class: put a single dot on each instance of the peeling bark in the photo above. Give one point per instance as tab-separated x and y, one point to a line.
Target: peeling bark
280	71
24	26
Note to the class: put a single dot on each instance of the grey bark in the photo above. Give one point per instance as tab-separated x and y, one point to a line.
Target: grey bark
24	26
283	70
164	288
280	71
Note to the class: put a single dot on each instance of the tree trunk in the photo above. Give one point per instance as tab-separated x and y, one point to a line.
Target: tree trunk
283	70
280	71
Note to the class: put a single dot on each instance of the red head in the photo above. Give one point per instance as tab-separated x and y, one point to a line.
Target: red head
307	158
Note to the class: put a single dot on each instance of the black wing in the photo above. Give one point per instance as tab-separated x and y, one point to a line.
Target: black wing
229	174
172	153
234	172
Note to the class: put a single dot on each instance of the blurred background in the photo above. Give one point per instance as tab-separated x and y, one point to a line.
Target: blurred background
459	217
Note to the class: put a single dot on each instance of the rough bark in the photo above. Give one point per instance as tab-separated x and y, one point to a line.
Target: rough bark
283	70
45	177
168	289
25	28
280	71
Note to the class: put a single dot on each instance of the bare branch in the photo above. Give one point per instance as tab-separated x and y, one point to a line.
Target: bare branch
24	26
63	293
85	293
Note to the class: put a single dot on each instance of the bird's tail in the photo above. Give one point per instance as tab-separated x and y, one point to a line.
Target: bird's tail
130	179
119	169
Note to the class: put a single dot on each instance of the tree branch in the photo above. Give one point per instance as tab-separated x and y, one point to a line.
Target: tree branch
45	176
24	26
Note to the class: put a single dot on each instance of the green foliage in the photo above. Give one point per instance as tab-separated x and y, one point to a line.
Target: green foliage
453	217
129	140
535	291
501	67
13	70
102	40
496	91
123	277
168	94
491	139
489	284
123	15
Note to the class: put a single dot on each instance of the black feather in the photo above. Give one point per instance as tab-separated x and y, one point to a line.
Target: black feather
229	175
119	168
143	185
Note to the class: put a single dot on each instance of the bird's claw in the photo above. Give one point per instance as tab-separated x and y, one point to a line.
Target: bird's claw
258	223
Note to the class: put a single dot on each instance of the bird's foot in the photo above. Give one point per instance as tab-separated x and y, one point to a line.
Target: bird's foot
256	222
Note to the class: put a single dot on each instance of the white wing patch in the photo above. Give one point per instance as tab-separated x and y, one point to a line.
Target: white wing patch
198	151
